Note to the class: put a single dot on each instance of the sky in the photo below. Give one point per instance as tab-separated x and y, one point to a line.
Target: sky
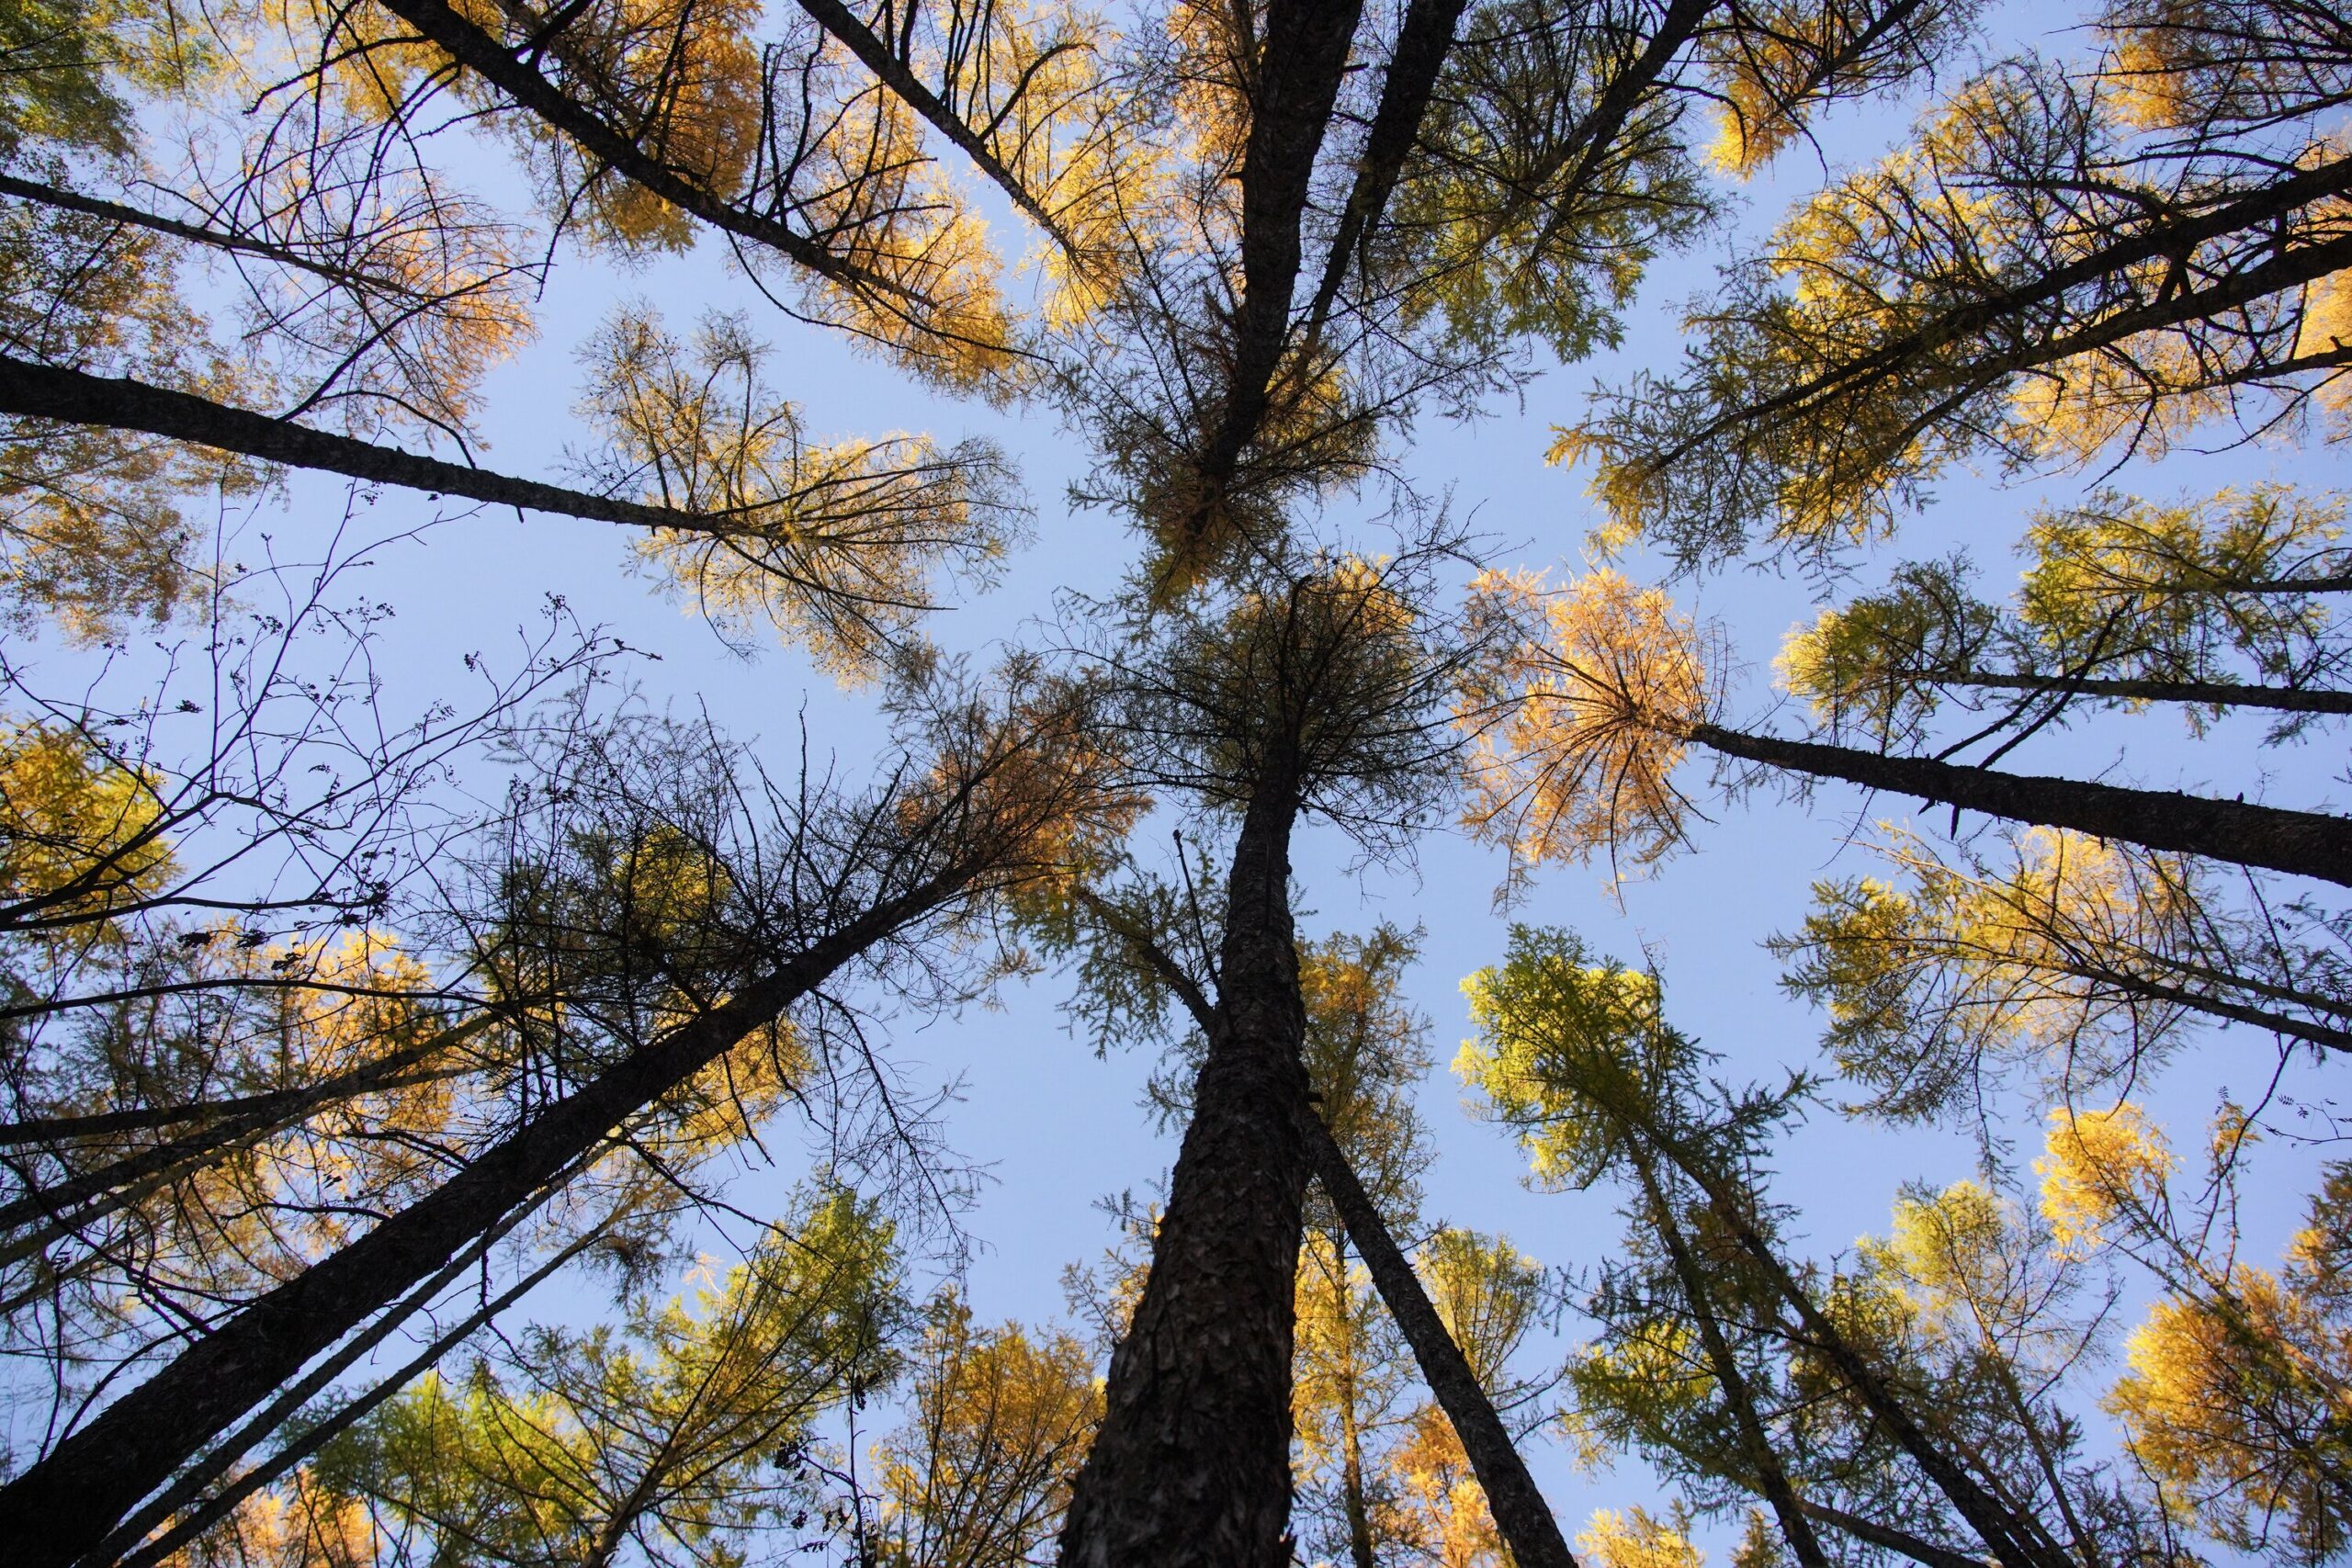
1055	1128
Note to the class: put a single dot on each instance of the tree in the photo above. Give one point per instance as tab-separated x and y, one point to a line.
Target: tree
2066	260
1000	1421
1607	689
571	1446
1000	801
1580	1058
2215	606
2089	963
2231	1397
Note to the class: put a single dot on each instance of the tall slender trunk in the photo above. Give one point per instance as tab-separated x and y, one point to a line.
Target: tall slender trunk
1191	1466
70	1500
1770	1478
2015	1542
1517	1503
2221	694
50	392
2301	843
126	1180
1352	1488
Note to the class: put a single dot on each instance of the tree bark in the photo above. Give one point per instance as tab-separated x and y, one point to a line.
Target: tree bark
48	391
1299	67
70	1499
1191	1466
1521	1513
2301	843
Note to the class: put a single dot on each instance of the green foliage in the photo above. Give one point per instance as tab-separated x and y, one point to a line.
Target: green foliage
677	1437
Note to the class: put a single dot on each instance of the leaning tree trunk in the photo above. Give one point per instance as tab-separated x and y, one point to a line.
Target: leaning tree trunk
1770	1478
72	1499
2217	694
2302	843
2015	1540
72	397
1192	1463
1517	1503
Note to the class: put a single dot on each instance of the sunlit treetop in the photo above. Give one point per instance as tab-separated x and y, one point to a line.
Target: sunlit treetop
2035	278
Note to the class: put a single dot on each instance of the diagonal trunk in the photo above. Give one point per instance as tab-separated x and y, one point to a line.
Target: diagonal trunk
2266	207
2014	1541
2220	694
2301	843
1192	1463
50	392
1512	1496
68	1203
1770	1479
71	1498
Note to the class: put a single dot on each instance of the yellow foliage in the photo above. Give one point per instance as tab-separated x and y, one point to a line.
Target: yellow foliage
1636	1540
2095	1163
79	832
1594	702
1438	1507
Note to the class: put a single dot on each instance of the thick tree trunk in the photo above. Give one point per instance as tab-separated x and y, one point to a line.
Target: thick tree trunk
1770	1479
1190	1467
70	1500
1517	1503
47	391
1299	67
2302	843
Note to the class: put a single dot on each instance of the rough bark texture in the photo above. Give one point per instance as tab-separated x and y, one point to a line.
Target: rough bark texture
1299	67
1191	1466
72	1499
47	391
2302	843
1512	1496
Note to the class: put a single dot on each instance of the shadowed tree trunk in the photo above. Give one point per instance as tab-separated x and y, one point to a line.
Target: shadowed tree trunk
1192	1463
1770	1479
48	391
72	1499
2302	843
2015	1540
1512	1496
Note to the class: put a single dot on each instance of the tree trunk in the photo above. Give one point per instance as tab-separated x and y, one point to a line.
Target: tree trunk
48	391
2301	843
2220	694
2265	208
70	1500
1521	1513
1191	1466
2015	1542
1770	1479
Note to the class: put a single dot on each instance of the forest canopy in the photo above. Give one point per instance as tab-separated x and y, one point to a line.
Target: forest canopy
1773	568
